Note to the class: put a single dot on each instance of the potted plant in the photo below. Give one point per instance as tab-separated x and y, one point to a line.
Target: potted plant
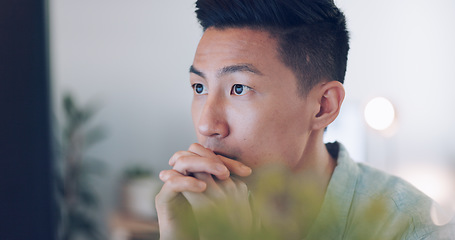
76	197
140	188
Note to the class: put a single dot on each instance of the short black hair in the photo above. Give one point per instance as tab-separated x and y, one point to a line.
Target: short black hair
311	34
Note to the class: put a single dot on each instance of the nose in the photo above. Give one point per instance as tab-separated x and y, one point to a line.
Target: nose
212	119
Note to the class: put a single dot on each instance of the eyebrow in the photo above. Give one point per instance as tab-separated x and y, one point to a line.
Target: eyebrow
197	72
243	67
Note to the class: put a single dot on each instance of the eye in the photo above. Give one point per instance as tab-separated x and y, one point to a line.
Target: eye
199	88
239	89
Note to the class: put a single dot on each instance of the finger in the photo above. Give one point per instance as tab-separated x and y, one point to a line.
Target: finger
234	188
212	190
201	150
241	186
228	186
178	155
194	164
207	178
175	185
180	183
199	201
166	174
236	167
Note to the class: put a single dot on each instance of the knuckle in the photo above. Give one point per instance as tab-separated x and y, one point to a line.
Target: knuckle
194	146
244	188
231	188
228	185
181	165
166	174
172	159
179	183
187	184
241	186
171	181
178	156
163	175
181	169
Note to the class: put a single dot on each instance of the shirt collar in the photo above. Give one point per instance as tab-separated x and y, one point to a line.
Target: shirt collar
333	216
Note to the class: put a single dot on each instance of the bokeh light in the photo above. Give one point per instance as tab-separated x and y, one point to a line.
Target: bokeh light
379	113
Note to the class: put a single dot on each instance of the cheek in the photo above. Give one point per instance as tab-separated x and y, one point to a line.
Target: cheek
258	135
271	135
194	112
196	108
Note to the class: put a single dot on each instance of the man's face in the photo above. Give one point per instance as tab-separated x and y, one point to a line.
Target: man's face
246	103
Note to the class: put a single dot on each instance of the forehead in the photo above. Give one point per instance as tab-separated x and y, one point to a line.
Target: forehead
238	37
219	47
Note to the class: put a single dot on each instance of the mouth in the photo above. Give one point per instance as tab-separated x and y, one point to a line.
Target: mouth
222	149
226	155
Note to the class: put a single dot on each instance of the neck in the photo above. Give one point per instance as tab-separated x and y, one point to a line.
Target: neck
314	170
316	162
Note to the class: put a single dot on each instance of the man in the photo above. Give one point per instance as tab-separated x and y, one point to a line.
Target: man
267	79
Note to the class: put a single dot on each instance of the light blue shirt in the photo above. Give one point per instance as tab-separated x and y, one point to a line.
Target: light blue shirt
364	203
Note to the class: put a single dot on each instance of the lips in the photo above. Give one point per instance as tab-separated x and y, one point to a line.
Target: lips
221	149
225	155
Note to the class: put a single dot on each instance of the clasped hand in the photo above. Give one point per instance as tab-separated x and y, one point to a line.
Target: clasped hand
200	199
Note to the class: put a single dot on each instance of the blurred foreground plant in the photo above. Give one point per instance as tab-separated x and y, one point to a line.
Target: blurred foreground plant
76	171
284	208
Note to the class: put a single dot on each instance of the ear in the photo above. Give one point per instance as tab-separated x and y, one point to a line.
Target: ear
330	96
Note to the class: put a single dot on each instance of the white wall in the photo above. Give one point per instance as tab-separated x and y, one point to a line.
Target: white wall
404	50
134	57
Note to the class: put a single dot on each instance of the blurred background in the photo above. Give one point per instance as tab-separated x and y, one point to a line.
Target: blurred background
119	74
